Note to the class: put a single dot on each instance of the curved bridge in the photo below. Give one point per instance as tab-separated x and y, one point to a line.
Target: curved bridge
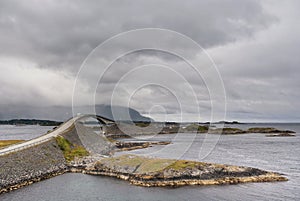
58	131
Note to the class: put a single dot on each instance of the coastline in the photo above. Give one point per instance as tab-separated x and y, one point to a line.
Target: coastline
47	160
147	172
156	172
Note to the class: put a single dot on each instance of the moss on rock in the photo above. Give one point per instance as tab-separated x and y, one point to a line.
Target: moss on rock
70	150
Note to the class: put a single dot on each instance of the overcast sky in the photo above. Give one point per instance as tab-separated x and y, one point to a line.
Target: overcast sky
254	44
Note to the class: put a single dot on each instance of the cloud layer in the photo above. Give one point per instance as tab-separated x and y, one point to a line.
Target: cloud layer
254	44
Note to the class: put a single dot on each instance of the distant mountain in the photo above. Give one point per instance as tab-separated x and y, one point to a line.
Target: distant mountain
62	113
119	113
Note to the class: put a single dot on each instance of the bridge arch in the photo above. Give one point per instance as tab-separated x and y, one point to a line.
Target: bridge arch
92	139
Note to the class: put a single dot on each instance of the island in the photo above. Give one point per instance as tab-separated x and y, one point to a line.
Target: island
157	172
30	122
113	131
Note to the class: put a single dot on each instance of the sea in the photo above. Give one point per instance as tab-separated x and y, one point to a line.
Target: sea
278	154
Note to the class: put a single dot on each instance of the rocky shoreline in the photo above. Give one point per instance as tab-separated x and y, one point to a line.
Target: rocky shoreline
31	165
129	146
47	160
141	171
30	180
154	172
281	135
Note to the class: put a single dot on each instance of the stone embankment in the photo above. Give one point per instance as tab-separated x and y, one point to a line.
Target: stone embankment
31	165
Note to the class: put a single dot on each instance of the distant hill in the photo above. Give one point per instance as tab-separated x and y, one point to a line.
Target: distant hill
30	122
62	113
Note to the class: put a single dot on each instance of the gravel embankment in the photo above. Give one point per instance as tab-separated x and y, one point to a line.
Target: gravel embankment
31	165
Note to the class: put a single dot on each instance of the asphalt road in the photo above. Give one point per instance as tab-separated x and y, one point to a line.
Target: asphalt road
59	130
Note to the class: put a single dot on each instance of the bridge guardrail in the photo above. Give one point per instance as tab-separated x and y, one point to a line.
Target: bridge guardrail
11	150
25	147
45	138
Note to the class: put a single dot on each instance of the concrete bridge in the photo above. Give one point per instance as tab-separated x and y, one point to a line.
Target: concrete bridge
63	128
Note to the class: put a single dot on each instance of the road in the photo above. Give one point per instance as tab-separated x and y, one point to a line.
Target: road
59	130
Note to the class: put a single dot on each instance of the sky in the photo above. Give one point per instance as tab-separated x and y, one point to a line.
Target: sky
254	46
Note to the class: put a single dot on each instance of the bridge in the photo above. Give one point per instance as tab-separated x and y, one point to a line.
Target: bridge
63	128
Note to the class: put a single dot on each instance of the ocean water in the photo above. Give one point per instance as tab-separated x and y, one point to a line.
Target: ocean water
279	154
26	132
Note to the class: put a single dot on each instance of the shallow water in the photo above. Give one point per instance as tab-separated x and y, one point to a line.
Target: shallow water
280	154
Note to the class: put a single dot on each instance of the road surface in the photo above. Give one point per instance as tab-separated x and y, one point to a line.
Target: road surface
59	130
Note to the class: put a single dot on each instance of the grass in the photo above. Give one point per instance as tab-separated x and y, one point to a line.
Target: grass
192	127
142	124
127	160
198	128
261	130
232	130
141	164
147	165
184	164
5	143
70	150
202	129
227	131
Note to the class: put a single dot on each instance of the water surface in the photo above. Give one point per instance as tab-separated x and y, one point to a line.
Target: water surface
280	154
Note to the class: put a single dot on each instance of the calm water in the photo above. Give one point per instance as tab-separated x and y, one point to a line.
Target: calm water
12	132
280	154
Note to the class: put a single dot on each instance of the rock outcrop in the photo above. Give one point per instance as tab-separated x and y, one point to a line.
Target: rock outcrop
267	130
149	172
128	146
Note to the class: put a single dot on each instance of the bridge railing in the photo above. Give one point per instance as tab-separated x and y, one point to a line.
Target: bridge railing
44	138
25	146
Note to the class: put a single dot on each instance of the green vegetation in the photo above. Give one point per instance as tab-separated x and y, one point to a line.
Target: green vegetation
146	171
183	164
127	160
146	165
196	127
142	124
192	127
267	130
260	130
232	131
154	165
5	143
70	150
137	163
202	129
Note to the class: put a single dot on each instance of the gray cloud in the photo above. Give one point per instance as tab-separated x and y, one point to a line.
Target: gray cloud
62	33
254	44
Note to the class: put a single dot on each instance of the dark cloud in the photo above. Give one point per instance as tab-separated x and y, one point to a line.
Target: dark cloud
62	33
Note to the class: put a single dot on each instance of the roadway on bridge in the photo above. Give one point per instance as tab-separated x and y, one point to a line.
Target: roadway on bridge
59	130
